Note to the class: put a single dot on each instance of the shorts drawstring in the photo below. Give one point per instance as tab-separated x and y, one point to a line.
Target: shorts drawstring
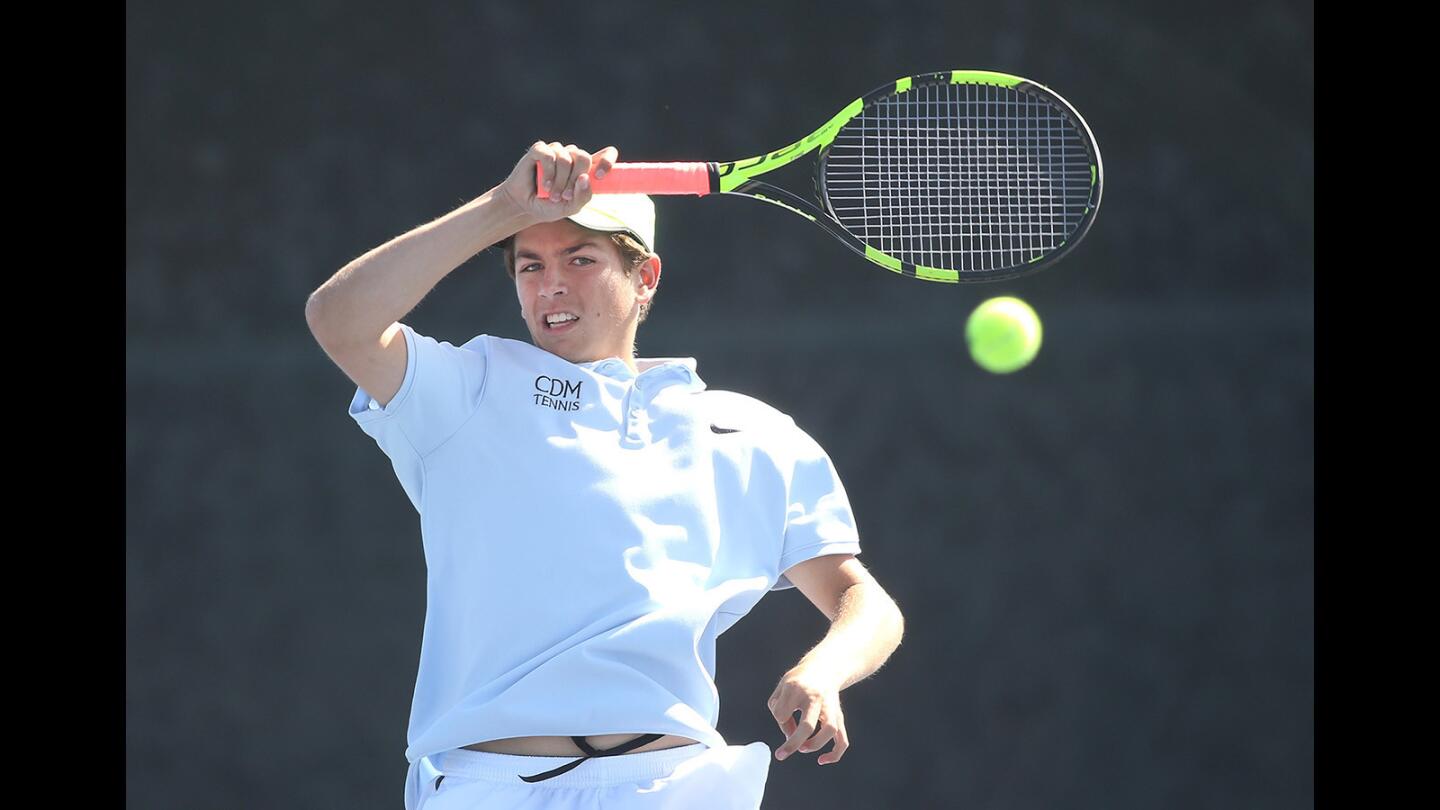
591	752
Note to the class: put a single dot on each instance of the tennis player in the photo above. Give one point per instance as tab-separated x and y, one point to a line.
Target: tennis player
591	521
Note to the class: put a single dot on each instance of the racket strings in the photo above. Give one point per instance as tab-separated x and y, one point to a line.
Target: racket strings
960	177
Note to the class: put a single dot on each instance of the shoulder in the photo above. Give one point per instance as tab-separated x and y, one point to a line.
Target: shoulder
508	350
733	410
483	342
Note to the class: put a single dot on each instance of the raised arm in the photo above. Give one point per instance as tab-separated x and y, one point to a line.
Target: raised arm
354	315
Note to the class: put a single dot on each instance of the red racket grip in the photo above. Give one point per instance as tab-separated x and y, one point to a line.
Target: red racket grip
644	178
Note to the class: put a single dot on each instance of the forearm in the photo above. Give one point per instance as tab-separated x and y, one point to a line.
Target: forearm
367	295
865	632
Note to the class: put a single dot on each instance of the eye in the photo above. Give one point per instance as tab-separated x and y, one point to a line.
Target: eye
527	268
586	259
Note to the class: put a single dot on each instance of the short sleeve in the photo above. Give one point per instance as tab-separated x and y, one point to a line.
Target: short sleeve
818	519
442	388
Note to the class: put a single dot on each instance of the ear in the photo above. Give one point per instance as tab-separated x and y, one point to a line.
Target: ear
647	279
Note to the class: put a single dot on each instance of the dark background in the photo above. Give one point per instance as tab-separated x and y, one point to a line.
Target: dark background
1106	561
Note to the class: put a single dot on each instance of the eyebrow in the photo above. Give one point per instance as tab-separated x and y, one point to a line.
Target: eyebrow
525	254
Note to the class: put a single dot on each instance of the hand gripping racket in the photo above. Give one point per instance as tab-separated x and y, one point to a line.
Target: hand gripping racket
960	176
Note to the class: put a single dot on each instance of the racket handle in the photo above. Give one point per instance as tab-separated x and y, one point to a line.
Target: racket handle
645	178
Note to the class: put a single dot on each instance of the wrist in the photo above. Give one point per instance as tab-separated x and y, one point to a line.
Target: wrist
508	216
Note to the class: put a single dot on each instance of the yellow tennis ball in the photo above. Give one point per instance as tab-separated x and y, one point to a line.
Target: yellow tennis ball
1003	334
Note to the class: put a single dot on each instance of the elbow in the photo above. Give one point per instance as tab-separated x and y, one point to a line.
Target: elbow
312	308
314	317
898	621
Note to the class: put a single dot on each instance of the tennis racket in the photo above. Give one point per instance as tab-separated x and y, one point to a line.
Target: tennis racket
960	176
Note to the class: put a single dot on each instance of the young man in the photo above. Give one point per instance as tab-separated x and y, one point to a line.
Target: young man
591	521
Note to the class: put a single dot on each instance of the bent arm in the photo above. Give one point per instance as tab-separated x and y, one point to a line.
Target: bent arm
866	630
366	296
354	315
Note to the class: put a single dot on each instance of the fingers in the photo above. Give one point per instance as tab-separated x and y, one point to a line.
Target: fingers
605	160
564	163
821	720
802	732
570	166
541	155
565	170
813	733
572	171
555	162
842	744
818	740
580	168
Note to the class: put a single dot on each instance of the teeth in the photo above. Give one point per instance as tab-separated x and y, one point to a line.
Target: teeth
559	318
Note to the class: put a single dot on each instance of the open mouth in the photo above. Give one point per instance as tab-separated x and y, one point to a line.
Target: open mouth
560	322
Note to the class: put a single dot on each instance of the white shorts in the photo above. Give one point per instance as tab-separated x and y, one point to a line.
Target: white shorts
689	777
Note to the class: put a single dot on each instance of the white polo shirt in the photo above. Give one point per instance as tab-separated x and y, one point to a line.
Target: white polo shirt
588	534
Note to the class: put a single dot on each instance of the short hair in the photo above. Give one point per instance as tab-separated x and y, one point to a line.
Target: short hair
632	255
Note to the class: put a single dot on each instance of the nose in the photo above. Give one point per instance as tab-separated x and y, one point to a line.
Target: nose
552	282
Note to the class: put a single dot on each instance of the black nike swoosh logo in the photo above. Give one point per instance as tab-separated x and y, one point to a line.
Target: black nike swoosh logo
724	430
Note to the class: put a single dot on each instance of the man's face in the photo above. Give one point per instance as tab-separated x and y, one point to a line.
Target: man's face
574	293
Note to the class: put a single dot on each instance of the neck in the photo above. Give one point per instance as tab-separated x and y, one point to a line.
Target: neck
626	357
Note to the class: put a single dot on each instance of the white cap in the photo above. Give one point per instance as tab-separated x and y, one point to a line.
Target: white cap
625	213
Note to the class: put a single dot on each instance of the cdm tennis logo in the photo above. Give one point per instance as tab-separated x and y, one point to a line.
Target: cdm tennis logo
553	392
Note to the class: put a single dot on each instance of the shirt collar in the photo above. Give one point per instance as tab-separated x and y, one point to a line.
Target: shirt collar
679	369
